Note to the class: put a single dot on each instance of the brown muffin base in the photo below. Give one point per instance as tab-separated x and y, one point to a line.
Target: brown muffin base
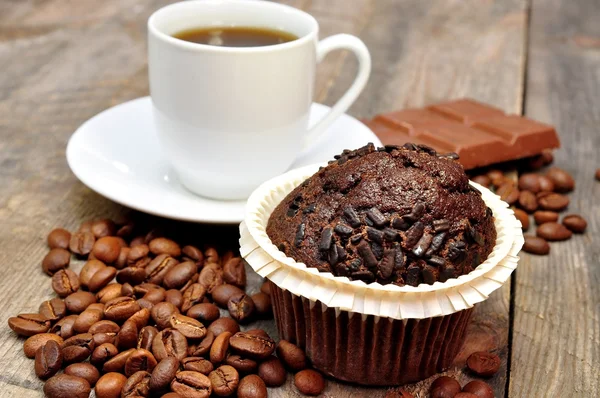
358	349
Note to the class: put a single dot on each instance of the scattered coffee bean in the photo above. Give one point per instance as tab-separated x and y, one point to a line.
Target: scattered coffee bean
163	374
444	386
36	341
48	359
81	243
59	239
56	260
86	320
77	302
224	380
110	385
544	216
484	364
53	309
101	278
29	324
103	353
161	314
137	385
63	385
553	202
107	249
120	309
266	287
198	364
164	246
496	177
483	180
262	305
194	254
104	227
523	218
528	201
291	355
546	184
85	371
139	360
241	308
203	347
210	277
479	388
204	312
253	346
309	382
221	294
271	370
529	182
89	270
508	192
553	231
224	325
188	383
575	223
252	386
174	297
64	327
243	365
563	181
65	282
109	292
117	363
234	272
77	348
169	343
179	275
536	245
193	295
189	327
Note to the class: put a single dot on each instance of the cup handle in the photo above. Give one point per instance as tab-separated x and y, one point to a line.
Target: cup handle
342	42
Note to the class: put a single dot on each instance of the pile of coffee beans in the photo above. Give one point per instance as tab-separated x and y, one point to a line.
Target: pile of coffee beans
143	319
541	195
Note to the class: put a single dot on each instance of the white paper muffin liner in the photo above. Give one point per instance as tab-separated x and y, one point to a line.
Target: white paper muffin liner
388	301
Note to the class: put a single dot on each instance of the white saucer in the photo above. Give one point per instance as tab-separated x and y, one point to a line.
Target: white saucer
116	153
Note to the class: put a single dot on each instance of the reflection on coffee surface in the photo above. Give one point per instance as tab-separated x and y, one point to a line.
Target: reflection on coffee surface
235	36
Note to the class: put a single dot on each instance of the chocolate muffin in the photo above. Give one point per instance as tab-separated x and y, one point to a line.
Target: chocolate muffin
402	215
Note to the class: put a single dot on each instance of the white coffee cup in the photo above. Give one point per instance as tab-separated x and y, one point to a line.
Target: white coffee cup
230	118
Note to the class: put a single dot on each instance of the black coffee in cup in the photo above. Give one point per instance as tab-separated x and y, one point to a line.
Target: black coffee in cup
235	36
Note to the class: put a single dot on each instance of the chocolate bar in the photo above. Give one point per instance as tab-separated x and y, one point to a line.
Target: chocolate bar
480	134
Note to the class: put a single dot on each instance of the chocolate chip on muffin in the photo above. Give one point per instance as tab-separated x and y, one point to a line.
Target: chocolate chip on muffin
402	215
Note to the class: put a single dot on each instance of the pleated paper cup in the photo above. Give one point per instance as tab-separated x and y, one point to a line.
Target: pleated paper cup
372	334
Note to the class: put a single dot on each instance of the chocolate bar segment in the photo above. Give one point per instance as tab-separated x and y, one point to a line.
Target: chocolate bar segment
480	134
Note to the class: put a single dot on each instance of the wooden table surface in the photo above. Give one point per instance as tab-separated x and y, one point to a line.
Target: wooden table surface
63	61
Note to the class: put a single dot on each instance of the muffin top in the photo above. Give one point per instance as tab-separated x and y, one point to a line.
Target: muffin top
402	215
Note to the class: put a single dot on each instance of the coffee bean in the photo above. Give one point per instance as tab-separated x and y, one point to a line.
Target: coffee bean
203	347
59	239
107	249
104	326
496	176
104	227
266	287
179	275
309	382
56	260
81	243
85	371
234	272
77	348
121	261
102	353
221	294
271	370
211	256
29	324
482	180
546	184
164	246
191	384
136	385
484	364
109	292
64	327
189	327
575	223
597	175
194	254
128	336
204	312
139	360
193	295
159	267
101	278
479	388
48	359
224	325
174	297
53	309
535	245
140	318
89	269
34	342
77	302
253	346
198	364
529	182
161	314
241	308
117	363
252	386
553	231
523	218
508	192
65	282
63	385
554	202
444	386
110	385
544	216
224	380
210	277
291	355
563	181
120	309
528	201
169	343
86	319
163	374
103	338
137	253
132	275
218	350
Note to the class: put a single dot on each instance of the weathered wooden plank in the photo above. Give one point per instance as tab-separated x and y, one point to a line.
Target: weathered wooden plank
556	343
63	62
